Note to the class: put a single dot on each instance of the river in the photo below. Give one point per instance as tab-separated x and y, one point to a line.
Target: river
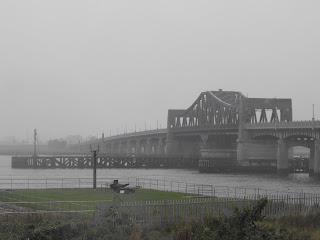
293	182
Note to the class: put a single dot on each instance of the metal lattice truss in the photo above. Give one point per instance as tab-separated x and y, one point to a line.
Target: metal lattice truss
212	108
263	116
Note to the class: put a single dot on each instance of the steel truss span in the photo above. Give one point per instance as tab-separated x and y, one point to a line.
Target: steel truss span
211	108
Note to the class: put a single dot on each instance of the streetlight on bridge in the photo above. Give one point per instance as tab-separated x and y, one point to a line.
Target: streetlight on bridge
312	112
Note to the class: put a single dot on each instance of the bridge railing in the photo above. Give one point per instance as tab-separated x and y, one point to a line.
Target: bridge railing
294	124
205	127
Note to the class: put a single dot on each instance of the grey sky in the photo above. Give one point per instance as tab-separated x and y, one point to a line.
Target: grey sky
84	67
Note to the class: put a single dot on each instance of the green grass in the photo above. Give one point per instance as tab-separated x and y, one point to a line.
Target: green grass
96	195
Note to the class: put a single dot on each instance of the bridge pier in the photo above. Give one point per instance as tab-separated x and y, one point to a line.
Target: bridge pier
317	158
240	151
119	147
128	149
282	157
138	147
173	147
311	161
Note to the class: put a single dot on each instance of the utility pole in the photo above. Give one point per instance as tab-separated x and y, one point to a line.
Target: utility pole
35	143
94	166
312	112
312	116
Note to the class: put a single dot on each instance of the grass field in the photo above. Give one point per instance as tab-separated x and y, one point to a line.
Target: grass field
97	195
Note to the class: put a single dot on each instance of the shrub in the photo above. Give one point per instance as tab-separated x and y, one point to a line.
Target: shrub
245	224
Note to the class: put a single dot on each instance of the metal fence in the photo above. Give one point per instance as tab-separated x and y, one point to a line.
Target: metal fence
14	203
164	212
159	212
161	185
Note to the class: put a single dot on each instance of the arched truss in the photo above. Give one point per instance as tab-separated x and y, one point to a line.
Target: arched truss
211	108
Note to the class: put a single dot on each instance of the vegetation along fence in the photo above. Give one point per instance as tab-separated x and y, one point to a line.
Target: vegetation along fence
160	212
173	211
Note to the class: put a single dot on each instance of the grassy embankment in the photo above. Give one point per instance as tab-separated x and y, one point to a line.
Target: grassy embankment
96	195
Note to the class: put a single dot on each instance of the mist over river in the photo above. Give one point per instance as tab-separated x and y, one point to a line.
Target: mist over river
293	182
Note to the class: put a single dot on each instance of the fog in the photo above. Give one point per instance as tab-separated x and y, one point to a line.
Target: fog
87	67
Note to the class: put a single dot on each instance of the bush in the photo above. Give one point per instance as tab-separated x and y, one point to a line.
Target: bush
245	224
70	229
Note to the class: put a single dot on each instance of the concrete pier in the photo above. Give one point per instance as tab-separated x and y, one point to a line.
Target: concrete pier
317	159
282	157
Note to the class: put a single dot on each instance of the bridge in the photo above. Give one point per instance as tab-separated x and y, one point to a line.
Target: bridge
224	128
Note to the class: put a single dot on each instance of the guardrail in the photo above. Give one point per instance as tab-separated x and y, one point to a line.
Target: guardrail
294	124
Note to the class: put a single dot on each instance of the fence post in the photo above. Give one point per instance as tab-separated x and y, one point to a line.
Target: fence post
62	183
46	184
157	185
79	182
81	208
11	183
186	187
28	183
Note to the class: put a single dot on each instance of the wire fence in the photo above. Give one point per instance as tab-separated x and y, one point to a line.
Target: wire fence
150	213
145	183
173	211
12	203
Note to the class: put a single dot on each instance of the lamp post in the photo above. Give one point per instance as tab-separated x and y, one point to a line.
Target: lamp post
312	112
94	166
312	116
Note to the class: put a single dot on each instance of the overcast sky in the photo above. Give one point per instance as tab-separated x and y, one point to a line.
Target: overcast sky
84	67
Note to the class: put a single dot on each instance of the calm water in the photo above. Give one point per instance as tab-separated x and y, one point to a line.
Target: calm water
294	182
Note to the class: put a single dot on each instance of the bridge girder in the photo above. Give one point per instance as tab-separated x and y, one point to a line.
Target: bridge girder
285	133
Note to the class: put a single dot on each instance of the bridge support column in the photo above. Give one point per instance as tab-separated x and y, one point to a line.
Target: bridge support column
311	161
173	147
160	146
112	148
138	147
128	149
282	157
148	147
240	151
204	141
120	148
317	158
